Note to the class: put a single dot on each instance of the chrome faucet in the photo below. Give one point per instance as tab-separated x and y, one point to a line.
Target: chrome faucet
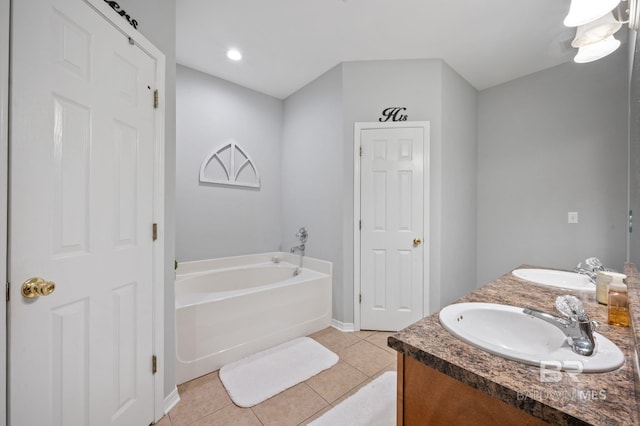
590	268
577	327
302	235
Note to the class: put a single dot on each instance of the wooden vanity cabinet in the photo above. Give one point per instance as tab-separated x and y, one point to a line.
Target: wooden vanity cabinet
428	397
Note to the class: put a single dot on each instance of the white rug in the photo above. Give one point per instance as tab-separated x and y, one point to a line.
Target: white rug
260	376
373	405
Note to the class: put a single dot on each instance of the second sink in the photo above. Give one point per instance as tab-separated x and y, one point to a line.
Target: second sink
561	279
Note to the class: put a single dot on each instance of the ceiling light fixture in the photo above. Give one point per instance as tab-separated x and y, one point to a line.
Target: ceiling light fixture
596	31
584	11
596	24
594	51
234	54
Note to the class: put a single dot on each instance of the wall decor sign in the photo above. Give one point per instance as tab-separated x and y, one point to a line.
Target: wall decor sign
230	165
393	114
115	6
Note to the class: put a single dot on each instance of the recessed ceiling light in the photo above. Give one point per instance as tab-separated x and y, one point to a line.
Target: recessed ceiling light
234	54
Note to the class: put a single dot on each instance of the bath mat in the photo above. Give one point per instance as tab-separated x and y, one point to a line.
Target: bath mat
373	405
260	376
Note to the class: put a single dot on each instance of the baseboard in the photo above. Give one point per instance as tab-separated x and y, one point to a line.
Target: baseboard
171	400
342	326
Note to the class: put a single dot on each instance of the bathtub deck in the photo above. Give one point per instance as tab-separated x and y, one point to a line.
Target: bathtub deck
363	356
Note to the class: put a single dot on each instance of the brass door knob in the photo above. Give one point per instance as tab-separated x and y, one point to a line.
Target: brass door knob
34	287
417	242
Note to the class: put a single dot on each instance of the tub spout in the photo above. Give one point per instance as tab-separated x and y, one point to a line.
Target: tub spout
299	248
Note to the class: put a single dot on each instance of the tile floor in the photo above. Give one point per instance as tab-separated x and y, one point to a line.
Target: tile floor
364	355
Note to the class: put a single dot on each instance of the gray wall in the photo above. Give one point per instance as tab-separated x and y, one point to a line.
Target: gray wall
215	220
432	92
634	157
370	87
551	143
312	173
4	138
459	187
427	88
318	166
157	23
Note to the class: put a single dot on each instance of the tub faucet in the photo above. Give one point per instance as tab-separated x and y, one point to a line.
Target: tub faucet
299	248
302	235
576	327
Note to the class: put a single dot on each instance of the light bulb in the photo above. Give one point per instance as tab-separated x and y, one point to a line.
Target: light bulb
234	54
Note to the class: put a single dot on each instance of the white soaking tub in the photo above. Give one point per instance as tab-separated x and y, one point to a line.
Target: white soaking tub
232	307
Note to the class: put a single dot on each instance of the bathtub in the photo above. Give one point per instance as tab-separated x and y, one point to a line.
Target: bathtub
229	308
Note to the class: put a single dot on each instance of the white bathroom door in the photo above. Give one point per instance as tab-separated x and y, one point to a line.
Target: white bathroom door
392	227
81	199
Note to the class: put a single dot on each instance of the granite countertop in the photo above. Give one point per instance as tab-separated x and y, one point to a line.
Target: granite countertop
594	398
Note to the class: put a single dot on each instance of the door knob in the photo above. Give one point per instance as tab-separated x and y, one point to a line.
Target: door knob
417	242
34	287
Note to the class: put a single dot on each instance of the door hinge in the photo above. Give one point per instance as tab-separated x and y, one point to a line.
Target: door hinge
630	221
8	292
154	364
156	102
360	299
360	224
360	151
154	232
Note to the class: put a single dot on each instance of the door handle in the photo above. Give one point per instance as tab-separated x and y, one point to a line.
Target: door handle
417	242
34	287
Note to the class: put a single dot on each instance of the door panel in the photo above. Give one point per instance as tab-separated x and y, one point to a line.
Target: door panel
82	167
391	210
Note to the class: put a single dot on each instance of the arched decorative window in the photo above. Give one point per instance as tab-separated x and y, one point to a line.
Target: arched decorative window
230	165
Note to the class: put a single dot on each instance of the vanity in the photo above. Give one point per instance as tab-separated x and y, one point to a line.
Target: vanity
443	380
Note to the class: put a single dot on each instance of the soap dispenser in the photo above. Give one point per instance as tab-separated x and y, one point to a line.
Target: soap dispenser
618	303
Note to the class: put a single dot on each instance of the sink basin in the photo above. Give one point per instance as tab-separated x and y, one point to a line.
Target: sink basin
506	331
561	279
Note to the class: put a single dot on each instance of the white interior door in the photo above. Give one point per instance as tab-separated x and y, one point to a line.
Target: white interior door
81	213
392	227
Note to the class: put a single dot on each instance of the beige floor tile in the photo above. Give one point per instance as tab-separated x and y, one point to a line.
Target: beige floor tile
391	367
380	339
199	398
331	384
336	340
363	334
367	357
321	332
164	421
231	415
290	407
205	402
315	416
